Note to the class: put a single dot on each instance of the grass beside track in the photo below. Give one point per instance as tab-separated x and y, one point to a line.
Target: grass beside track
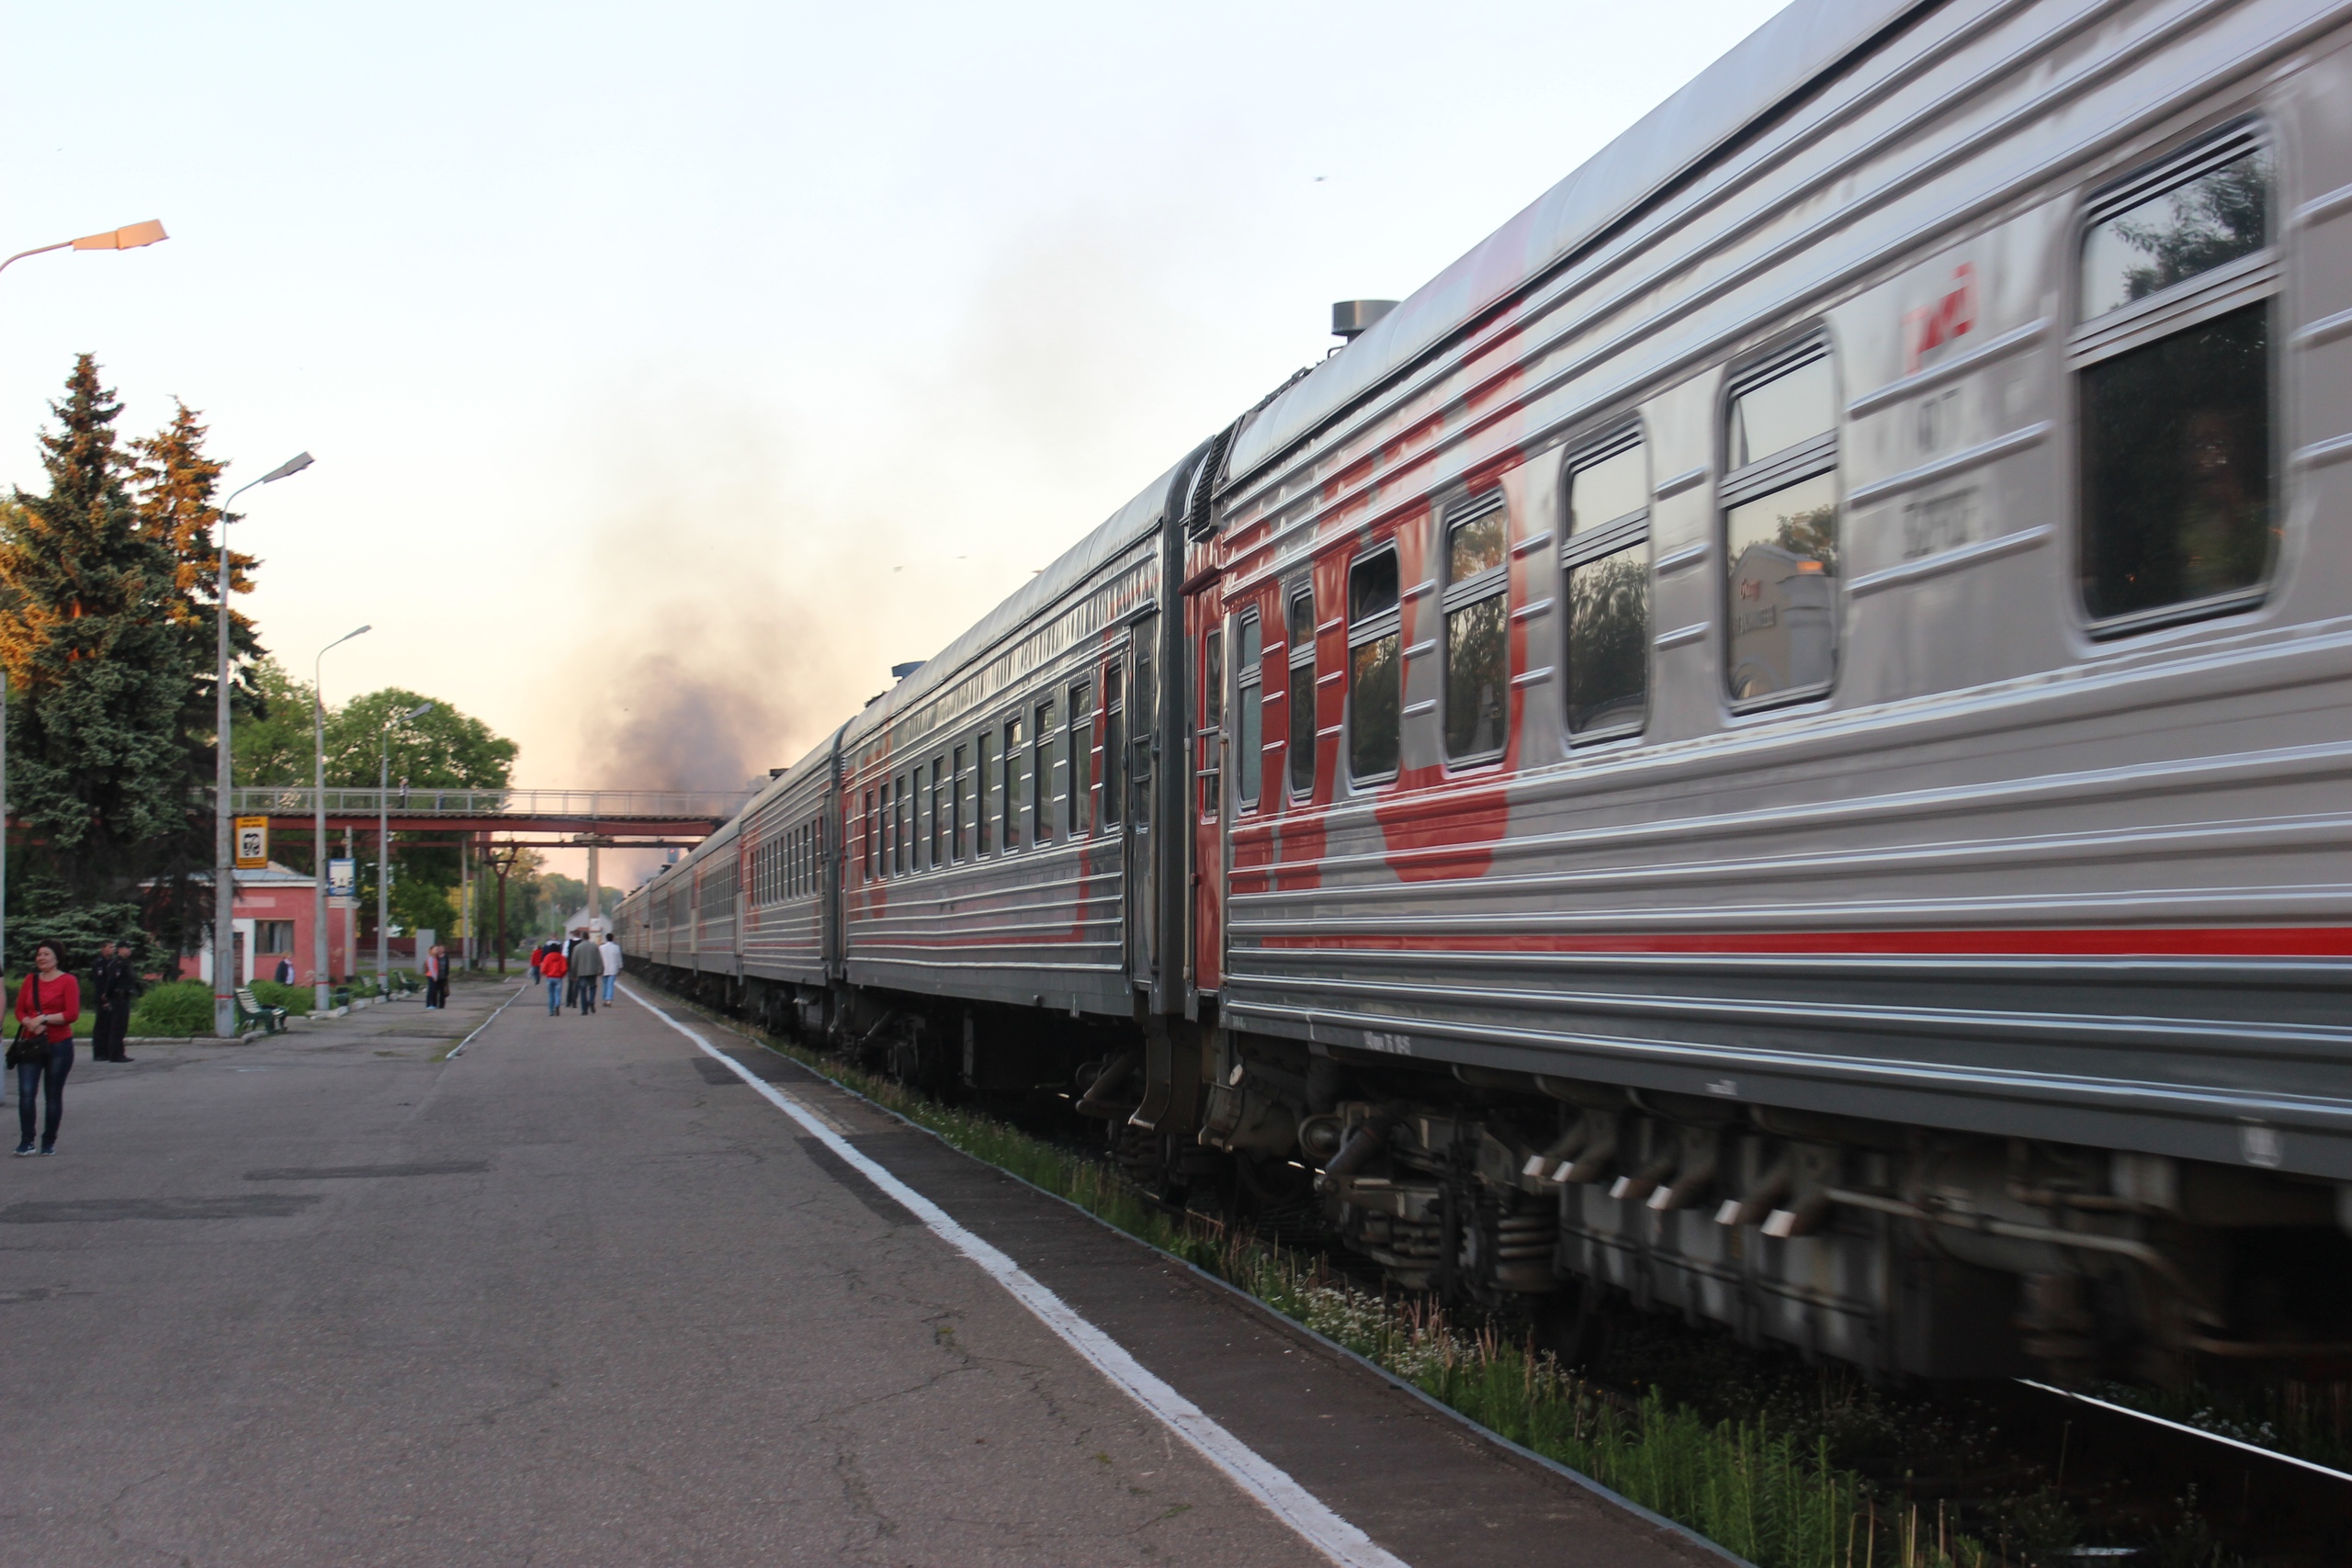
1760	1494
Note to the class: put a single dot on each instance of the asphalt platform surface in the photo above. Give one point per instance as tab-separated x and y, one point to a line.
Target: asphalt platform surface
581	1296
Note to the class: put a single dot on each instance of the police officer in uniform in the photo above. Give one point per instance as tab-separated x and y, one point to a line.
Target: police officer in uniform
113	984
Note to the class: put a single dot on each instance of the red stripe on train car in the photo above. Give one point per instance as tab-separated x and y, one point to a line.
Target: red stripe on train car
2276	941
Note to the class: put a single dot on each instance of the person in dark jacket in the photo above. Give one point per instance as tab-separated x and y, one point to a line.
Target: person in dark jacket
586	967
47	1004
113	987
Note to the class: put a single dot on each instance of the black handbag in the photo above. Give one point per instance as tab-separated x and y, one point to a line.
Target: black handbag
27	1049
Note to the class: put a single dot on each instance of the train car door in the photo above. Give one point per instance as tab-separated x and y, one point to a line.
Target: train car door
1142	878
1204	705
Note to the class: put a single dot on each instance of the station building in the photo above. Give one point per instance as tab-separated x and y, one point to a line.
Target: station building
274	917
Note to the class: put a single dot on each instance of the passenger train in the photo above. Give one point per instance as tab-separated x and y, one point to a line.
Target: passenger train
1769	743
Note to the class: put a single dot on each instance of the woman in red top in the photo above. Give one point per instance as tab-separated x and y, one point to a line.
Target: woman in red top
47	1004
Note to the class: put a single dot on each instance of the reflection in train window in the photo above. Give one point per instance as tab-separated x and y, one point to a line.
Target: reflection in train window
1081	760
1115	756
1793	407
1301	698
1046	780
1781	549
2207	220
1478	653
1607	563
1016	761
991	794
1373	679
939	812
960	813
1211	717
2178	515
1248	711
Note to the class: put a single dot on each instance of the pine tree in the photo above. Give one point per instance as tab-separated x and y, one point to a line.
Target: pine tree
174	482
98	656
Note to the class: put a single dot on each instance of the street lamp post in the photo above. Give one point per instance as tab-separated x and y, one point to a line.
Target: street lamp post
320	1000
224	862
384	837
128	238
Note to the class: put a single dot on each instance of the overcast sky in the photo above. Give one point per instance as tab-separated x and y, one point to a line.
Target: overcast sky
674	370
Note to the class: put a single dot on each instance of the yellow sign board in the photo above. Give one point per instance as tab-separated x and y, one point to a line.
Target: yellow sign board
253	843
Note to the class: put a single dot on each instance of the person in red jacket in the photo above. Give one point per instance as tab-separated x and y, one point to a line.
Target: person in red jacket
47	1004
551	970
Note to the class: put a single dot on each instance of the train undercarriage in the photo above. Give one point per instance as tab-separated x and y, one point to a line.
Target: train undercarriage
1904	1251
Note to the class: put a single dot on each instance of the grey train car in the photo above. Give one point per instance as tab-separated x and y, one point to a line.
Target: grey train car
1770	742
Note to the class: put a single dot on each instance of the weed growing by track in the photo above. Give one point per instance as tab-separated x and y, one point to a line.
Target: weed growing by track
1760	1493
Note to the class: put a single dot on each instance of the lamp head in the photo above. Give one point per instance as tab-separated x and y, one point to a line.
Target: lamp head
417	712
292	466
128	238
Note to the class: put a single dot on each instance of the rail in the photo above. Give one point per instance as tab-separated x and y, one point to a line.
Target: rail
423	800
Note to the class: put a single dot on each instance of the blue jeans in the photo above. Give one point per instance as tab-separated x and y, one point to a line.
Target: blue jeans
31	1079
608	989
554	996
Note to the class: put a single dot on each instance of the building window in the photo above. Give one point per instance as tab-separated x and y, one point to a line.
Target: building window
1780	497
1248	711
1607	566
1212	718
273	937
1301	699
2172	363
1477	648
1374	683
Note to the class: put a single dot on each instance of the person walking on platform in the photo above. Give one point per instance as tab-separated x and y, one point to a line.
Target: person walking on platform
47	1004
587	966
551	968
608	954
436	976
112	989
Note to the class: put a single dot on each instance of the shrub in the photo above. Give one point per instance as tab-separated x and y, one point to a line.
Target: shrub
181	1007
293	999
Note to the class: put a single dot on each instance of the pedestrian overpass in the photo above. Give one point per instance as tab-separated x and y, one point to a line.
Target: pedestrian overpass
631	819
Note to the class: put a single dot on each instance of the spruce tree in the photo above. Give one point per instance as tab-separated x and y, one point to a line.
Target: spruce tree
98	655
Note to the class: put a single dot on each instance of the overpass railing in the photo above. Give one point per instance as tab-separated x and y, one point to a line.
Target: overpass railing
426	800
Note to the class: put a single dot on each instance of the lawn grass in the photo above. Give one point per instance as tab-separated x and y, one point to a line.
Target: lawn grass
1761	1493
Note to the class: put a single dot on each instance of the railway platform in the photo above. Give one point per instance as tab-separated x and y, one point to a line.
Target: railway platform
626	1289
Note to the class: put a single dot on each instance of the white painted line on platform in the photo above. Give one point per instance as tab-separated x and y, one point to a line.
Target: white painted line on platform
1334	1537
460	1048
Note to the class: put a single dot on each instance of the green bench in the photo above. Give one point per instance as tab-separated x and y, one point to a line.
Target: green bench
250	1011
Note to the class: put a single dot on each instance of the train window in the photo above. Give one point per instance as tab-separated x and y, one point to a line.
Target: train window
1780	502
1081	760
890	816
1143	709
1478	653
917	818
1016	761
2173	362
873	839
959	810
1301	699
991	792
1114	747
1211	717
903	830
1373	679
939	812
1045	775
1248	711
1607	564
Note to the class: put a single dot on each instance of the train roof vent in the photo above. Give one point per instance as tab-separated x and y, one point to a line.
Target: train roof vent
1352	318
901	672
